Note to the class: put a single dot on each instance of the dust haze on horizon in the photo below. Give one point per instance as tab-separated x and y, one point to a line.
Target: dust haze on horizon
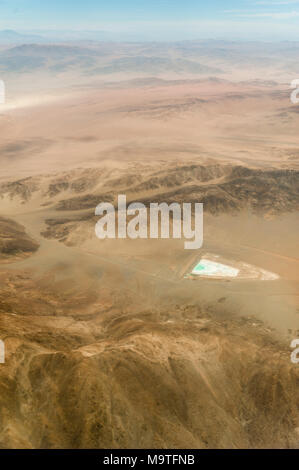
135	20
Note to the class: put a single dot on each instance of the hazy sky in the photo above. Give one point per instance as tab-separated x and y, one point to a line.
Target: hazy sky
181	19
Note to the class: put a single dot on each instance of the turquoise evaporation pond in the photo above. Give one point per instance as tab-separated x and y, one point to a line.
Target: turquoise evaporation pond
212	268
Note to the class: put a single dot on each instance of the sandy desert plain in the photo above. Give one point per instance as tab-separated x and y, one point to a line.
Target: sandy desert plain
110	343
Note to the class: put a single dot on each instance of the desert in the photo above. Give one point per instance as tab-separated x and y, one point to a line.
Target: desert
112	343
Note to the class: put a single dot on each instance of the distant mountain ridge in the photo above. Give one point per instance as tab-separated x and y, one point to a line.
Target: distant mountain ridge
8	36
95	60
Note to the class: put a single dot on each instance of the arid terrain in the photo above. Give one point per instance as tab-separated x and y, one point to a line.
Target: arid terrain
108	343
